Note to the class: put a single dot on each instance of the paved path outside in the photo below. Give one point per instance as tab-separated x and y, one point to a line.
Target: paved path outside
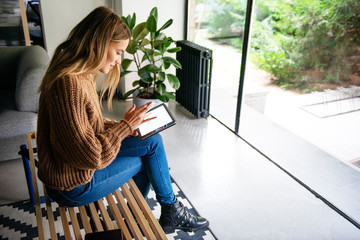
336	135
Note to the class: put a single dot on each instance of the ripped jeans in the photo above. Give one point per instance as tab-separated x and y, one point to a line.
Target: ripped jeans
145	161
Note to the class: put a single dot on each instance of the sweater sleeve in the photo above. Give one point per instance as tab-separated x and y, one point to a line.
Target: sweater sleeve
76	135
108	123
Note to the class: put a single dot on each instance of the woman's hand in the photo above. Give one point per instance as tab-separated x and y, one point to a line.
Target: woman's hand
137	116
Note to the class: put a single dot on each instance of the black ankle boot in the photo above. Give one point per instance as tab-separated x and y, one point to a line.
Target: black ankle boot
174	216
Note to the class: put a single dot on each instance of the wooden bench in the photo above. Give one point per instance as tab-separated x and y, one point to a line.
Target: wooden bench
129	209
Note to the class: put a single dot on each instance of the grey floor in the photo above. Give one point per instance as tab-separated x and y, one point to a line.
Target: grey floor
241	192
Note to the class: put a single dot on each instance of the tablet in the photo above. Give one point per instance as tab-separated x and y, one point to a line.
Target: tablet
164	119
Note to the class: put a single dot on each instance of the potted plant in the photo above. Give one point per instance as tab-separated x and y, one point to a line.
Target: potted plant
150	49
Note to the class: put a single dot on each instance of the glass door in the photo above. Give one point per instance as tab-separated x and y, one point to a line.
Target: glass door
302	70
303	75
296	94
219	26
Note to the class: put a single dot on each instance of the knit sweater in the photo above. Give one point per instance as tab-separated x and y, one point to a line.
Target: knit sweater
73	138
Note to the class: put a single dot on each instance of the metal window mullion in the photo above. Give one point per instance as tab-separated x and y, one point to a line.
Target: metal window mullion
243	63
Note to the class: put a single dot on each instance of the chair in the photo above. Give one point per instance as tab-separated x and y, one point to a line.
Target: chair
21	72
134	217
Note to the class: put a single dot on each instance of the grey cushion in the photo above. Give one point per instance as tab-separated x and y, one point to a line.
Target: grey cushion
29	77
13	128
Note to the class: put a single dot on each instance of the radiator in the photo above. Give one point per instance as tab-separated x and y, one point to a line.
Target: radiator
195	78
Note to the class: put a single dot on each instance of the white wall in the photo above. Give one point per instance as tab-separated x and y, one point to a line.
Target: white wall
59	17
167	9
174	9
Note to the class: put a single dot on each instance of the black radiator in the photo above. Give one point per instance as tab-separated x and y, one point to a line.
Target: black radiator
195	78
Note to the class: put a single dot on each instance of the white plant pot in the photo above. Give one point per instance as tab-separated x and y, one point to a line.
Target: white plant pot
141	101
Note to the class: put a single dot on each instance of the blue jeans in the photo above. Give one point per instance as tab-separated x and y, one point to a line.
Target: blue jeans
144	161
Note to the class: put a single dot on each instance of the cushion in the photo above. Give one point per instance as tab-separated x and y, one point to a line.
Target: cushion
13	128
31	70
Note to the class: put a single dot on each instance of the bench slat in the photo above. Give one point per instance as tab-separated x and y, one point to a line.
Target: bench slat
50	215
128	216
155	225
95	217
75	224
65	223
85	219
138	213
117	215
105	215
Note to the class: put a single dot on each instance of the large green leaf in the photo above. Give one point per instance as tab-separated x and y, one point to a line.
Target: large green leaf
158	42
131	47
154	13
145	42
161	42
174	81
145	76
150	68
170	95
166	25
144	58
140	31
125	63
147	51
157	53
147	55
160	36
151	23
162	98
143	84
161	76
167	44
166	65
172	61
136	83
126	20
161	88
174	50
132	22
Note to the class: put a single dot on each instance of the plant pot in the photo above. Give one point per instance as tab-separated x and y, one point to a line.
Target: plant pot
141	101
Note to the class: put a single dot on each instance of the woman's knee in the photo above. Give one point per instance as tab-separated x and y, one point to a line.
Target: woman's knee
156	138
154	143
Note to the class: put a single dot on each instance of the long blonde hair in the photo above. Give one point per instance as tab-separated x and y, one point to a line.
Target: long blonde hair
85	50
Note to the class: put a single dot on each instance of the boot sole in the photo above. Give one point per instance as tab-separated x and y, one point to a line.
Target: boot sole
171	229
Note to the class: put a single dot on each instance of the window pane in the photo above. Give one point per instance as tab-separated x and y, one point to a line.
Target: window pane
303	76
219	26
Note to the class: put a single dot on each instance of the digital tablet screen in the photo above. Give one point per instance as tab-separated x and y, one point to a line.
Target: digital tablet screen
163	120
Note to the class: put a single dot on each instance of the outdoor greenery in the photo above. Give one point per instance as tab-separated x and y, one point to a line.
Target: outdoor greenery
301	42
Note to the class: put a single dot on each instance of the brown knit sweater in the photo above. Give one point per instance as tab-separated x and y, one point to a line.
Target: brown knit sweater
73	138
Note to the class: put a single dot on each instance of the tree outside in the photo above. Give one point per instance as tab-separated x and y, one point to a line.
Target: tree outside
306	45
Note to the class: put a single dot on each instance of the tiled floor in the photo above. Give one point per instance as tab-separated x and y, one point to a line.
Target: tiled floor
241	192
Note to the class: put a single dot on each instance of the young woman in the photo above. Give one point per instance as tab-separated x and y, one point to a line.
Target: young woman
83	156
